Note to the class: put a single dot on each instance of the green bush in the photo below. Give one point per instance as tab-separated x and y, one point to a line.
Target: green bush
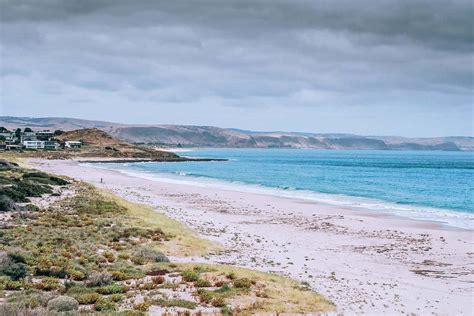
44	178
112	289
63	304
99	279
8	266
190	276
117	297
204	296
175	303
243	283
161	257
15	270
218	301
202	283
87	298
104	304
6	204
48	284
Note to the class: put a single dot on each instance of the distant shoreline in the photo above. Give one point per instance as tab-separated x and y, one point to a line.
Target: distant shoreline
126	160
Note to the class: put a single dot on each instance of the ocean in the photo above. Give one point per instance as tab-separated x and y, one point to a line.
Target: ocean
426	185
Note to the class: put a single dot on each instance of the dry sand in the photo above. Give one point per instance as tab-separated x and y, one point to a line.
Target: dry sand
365	262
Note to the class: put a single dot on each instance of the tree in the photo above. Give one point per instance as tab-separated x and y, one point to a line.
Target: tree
28	130
3	130
58	132
2	138
18	132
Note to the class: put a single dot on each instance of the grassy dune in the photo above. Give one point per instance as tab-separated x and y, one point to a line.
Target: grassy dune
90	250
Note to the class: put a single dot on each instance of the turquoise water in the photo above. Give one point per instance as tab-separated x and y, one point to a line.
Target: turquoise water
427	185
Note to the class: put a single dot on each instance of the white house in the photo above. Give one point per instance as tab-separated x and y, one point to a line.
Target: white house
72	144
33	144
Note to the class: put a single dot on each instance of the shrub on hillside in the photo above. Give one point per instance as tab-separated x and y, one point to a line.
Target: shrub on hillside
6	204
63	304
112	289
243	283
99	279
9	267
190	276
104	304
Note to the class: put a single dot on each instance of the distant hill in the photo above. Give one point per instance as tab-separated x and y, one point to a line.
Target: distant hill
209	136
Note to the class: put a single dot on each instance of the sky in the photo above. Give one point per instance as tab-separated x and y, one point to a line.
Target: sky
367	67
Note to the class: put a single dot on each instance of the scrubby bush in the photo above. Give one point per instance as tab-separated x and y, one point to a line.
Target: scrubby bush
112	289
202	283
48	284
87	298
218	301
161	257
30	208
149	254
99	279
158	280
204	296
76	274
44	178
63	304
243	283
104	304
8	266
6	204
190	276
117	297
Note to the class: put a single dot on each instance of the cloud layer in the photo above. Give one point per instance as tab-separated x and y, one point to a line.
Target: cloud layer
371	67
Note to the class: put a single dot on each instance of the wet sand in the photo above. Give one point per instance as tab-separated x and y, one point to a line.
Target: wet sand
365	262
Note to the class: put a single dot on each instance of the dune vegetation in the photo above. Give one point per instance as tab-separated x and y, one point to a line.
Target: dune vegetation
68	247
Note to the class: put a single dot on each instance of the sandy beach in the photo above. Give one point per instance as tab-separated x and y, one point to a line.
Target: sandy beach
365	262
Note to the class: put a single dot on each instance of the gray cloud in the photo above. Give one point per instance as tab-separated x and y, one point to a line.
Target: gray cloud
231	55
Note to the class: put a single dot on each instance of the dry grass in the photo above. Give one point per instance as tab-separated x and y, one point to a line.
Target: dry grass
270	294
184	242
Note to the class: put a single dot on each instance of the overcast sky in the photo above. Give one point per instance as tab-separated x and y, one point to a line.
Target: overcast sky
366	67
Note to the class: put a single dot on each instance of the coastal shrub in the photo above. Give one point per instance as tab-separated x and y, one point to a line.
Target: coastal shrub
15	270
138	260
117	297
29	299
218	301
112	289
243	283
190	276
223	289
142	307
48	284
204	296
149	254
44	178
175	303
104	305
30	208
14	195
99	279
63	304
158	280
87	298
6	204
202	283
76	274
9	267
32	189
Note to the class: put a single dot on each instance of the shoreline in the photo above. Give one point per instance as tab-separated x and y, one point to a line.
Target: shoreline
371	206
364	263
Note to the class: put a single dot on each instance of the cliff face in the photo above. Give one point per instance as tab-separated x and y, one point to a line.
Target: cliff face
208	136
